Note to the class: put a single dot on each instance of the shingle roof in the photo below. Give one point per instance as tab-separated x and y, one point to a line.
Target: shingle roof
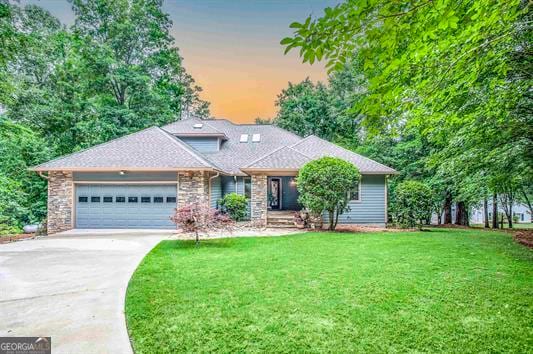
186	127
233	154
160	148
284	157
151	148
315	147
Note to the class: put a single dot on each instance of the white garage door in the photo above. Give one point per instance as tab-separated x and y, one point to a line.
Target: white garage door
101	206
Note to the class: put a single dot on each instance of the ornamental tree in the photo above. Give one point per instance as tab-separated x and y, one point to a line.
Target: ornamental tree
413	203
200	217
323	185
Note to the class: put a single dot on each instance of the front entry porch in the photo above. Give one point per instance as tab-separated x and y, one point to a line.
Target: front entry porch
282	193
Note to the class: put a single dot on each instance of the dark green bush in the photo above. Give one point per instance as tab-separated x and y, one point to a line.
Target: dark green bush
324	184
413	203
234	205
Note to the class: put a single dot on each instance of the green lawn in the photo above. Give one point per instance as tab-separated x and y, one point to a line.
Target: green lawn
442	290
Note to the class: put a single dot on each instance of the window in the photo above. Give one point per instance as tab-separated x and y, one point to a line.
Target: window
95	199
248	187
108	199
83	199
120	199
244	138
171	199
354	193
256	138
133	199
146	200
158	199
198	126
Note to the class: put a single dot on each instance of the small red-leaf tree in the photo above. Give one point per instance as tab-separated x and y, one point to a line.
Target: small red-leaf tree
200	218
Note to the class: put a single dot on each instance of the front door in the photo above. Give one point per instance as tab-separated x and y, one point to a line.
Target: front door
275	193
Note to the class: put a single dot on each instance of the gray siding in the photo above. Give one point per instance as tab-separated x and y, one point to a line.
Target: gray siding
229	185
216	191
371	208
203	144
127	177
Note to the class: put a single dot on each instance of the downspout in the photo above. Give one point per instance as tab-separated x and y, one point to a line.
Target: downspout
43	175
210	179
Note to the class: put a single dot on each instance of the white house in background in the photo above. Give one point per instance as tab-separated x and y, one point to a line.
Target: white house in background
520	212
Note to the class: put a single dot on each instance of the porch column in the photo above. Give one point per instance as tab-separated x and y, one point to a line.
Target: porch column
259	199
60	202
193	187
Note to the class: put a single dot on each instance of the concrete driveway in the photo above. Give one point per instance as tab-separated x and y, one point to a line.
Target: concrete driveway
71	287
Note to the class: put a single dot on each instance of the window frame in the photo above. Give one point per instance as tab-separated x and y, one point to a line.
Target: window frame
171	197
144	201
117	200
249	179
83	201
358	200
156	201
130	198
108	201
96	197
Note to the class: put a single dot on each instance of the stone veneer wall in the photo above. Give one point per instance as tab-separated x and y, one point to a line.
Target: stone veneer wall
259	199
60	202
193	187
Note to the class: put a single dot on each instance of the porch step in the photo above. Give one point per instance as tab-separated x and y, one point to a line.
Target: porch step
281	219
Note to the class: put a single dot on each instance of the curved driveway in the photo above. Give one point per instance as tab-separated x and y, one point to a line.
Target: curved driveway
71	288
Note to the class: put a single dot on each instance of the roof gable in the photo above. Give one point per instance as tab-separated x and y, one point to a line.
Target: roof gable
150	148
315	147
284	157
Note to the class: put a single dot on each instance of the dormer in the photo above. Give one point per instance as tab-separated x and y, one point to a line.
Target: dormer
198	134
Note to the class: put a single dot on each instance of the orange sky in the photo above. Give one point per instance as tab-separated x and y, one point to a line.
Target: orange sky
232	50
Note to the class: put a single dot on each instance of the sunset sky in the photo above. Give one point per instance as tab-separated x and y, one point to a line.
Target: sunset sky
232	49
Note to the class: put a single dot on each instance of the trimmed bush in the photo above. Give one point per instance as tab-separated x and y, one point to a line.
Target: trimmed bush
413	203
234	205
324	184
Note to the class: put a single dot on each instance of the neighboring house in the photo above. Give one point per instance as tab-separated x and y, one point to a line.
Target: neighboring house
137	181
520	212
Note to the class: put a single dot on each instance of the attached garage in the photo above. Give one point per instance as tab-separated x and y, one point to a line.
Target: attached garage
123	206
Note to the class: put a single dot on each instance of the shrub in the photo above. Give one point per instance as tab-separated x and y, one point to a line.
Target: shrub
199	217
234	205
413	203
323	185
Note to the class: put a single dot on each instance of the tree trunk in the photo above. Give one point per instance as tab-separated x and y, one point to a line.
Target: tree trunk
501	222
336	218
448	208
510	216
197	238
486	212
494	211
460	214
439	217
331	220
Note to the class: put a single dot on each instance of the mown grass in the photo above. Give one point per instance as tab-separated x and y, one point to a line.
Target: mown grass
443	290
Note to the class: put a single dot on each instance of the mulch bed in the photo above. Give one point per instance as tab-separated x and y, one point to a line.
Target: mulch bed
13	238
524	237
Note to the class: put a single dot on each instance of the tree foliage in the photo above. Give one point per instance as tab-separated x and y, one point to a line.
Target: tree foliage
114	72
444	80
413	204
323	185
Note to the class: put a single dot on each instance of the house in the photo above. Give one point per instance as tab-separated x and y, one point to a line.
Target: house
137	181
521	214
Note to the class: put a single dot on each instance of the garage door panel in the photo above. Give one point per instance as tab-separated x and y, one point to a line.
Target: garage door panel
127	214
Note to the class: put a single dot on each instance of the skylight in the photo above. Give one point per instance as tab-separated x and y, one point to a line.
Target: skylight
198	126
256	138
244	138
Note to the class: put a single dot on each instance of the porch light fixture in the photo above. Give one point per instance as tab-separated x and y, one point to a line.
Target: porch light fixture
292	182
121	173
